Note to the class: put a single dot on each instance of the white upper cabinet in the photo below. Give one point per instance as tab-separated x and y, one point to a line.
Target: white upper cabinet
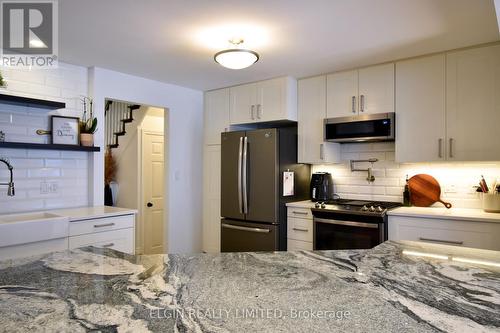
342	94
473	104
360	91
376	89
311	113
420	109
216	115
243	103
269	100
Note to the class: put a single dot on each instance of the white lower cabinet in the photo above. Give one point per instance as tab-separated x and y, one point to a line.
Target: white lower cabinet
299	229
115	232
211	198
119	240
482	235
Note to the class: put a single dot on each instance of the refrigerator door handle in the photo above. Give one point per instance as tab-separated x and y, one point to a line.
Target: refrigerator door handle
245	175
240	194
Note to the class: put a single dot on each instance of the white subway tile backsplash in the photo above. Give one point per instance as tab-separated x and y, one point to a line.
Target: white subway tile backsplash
66	170
456	179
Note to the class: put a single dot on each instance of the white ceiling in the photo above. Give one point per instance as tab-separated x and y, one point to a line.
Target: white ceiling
174	41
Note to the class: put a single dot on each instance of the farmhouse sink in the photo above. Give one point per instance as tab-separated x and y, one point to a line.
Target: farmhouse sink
32	227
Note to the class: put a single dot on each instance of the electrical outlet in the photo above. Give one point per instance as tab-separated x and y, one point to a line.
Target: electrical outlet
53	187
44	187
451	188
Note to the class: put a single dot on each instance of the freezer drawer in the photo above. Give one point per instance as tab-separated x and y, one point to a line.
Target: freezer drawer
237	236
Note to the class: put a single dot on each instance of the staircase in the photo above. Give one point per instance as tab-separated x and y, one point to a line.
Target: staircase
117	115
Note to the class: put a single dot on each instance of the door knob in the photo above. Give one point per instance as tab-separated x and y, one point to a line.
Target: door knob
149	204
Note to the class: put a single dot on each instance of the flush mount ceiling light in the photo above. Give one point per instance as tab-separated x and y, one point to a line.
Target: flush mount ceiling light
236	58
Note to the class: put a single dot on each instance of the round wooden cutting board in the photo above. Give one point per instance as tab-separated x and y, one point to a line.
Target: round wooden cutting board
425	191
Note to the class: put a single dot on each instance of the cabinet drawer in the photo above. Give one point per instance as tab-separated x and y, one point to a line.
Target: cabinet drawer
300	229
296	245
120	240
303	213
448	232
99	225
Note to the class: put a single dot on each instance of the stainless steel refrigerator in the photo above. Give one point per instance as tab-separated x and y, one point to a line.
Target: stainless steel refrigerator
253	206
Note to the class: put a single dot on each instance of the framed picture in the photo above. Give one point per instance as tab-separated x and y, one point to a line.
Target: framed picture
65	130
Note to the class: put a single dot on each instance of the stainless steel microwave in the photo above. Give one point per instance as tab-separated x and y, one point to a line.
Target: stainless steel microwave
362	128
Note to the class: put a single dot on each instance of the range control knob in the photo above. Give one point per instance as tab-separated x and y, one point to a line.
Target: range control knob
371	209
380	209
323	205
364	208
316	205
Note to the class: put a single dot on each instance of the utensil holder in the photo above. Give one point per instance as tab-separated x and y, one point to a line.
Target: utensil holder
491	202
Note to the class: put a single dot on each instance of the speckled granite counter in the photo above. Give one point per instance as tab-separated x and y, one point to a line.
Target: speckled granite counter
378	290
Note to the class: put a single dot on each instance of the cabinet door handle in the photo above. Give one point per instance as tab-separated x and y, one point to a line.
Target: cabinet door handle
321	152
451	147
259	111
299	213
441	241
103	225
300	229
252	112
353	104
440	148
362	103
108	245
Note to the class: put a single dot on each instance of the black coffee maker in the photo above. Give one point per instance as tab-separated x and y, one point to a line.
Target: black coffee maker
321	186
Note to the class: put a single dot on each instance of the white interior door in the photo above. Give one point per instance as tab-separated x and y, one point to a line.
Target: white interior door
342	94
153	192
376	89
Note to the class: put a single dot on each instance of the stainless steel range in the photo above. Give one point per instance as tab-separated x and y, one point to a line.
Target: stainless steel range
350	224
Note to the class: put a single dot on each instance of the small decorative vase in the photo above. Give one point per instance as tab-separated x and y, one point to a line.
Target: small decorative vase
87	140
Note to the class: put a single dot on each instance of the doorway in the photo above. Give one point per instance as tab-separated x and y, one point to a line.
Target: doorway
135	168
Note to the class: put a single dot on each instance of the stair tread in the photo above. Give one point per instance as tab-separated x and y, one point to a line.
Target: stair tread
114	145
120	133
127	120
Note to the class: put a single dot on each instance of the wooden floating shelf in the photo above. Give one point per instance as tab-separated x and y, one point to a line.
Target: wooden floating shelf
33	102
25	145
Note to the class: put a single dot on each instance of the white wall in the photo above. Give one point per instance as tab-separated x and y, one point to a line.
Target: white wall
456	179
183	145
67	170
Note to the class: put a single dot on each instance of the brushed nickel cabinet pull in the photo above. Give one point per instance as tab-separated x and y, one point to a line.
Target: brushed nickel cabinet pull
451	147
299	213
252	112
362	103
353	104
103	225
440	148
441	241
300	229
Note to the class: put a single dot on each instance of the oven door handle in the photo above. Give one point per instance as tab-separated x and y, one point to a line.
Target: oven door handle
348	223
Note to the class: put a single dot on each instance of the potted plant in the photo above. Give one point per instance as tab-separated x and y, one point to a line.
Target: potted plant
3	84
88	123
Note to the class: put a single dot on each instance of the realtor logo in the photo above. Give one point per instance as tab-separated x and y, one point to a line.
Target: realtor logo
29	33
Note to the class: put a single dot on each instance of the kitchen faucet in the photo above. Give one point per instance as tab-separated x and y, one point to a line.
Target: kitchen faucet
10	192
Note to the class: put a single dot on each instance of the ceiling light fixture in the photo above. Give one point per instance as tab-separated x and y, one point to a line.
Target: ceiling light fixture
236	58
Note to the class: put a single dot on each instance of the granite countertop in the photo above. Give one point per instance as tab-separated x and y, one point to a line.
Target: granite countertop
85	213
377	290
